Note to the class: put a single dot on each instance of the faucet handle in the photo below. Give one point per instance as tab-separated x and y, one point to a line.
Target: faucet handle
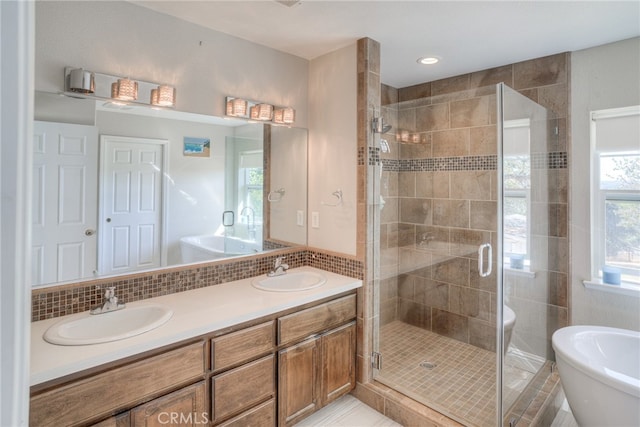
279	261
110	292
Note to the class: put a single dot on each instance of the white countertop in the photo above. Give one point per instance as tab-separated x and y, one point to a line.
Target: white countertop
195	312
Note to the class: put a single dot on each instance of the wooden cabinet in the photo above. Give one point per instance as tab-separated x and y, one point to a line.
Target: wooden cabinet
275	372
298	393
263	415
305	323
242	388
185	407
338	362
315	372
98	396
247	344
245	379
120	420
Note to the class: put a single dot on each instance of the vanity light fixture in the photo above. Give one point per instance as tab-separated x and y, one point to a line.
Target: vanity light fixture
124	90
80	83
284	115
262	112
163	96
236	107
259	111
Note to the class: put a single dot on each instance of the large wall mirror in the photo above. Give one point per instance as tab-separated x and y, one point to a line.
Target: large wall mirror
121	189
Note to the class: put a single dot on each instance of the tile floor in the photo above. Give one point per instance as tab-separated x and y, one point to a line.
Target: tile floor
471	392
427	367
564	418
350	412
347	412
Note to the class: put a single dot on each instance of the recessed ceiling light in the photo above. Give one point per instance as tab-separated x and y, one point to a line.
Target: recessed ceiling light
428	60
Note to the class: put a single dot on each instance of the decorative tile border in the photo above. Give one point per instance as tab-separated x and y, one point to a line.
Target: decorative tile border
441	164
374	156
47	303
554	160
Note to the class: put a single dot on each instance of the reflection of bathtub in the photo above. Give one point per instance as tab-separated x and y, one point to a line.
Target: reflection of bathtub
211	246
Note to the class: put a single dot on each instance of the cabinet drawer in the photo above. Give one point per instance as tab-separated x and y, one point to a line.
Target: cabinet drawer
237	390
242	346
100	395
304	323
263	415
186	407
121	420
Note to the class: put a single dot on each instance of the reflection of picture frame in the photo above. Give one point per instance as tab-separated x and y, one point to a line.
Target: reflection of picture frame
196	147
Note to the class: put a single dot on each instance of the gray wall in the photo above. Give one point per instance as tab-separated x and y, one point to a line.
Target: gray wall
601	77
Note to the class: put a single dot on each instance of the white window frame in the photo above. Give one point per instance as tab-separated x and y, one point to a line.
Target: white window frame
599	197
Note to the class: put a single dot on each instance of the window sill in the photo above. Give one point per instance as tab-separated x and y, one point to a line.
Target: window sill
520	272
622	289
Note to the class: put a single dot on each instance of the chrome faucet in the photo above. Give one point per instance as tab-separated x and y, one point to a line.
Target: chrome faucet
110	302
279	268
251	221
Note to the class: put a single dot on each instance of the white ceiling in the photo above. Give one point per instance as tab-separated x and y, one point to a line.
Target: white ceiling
467	35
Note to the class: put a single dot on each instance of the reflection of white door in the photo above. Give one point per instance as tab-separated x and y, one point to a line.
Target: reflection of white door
131	197
65	186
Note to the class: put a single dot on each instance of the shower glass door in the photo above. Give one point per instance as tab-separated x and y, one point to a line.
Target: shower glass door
439	199
531	213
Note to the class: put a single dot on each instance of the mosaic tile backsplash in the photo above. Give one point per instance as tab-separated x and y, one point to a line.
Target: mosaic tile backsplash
47	303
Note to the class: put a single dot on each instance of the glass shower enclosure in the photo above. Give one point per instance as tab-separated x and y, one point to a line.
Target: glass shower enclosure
465	248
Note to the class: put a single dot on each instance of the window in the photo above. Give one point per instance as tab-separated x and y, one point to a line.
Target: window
615	198
517	190
250	183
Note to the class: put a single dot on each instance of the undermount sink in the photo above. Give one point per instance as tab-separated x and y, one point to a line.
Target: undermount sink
85	328
290	282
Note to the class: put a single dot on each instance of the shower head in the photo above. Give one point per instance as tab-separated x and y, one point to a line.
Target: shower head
379	126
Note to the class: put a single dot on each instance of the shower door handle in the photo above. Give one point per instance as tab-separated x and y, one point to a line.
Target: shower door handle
481	260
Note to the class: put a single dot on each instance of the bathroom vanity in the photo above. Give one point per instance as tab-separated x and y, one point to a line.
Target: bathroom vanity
231	355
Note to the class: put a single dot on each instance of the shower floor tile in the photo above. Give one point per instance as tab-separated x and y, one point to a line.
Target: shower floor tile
454	378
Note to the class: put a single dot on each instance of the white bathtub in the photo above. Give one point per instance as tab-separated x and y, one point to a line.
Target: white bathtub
211	246
600	373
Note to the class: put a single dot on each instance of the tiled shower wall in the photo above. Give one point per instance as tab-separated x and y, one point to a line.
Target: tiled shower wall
440	203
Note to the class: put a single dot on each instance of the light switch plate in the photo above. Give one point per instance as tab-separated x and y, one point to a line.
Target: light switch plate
315	219
300	218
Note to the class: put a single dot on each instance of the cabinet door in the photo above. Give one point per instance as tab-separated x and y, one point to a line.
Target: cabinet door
185	407
338	362
298	385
